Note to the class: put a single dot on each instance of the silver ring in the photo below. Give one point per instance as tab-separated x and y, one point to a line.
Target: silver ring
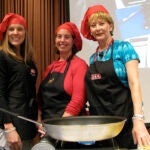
142	136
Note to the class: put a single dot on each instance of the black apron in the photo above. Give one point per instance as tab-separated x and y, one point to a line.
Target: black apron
108	96
54	97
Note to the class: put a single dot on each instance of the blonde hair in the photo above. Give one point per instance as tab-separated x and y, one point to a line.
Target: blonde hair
104	16
26	49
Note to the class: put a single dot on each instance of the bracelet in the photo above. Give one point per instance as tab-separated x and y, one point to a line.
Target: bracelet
10	130
138	116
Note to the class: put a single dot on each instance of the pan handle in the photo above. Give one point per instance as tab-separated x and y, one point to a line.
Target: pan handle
21	117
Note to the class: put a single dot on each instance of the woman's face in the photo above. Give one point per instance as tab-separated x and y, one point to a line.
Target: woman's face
100	29
64	41
16	34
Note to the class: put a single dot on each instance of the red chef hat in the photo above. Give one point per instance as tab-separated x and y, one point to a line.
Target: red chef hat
11	18
85	30
72	28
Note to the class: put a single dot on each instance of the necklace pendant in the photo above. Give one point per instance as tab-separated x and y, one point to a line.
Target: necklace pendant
101	56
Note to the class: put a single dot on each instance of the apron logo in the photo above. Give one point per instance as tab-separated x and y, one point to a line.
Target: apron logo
51	80
32	72
96	76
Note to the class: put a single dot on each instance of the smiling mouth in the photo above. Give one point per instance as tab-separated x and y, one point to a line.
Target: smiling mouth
62	47
15	40
98	34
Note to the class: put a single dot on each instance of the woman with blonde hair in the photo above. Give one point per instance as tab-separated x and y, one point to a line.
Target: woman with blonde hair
18	74
112	80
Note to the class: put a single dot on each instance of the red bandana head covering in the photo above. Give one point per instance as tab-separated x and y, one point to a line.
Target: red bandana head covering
9	19
72	28
85	29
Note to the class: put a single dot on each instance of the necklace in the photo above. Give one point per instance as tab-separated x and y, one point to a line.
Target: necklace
102	55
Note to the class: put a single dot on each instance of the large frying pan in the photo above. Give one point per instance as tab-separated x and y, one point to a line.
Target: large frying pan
81	128
84	128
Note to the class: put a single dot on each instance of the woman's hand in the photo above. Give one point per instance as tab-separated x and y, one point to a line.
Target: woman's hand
13	139
140	134
66	114
41	130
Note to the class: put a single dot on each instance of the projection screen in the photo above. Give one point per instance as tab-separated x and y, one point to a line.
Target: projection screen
132	23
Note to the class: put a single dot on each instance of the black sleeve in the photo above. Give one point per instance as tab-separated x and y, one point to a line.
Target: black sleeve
3	88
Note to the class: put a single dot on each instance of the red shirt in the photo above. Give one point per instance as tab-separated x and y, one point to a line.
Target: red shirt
74	82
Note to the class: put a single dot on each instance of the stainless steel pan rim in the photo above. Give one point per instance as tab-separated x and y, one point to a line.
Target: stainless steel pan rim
84	128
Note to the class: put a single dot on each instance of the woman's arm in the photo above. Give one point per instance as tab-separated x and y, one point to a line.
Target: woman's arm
78	97
13	139
140	133
134	84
